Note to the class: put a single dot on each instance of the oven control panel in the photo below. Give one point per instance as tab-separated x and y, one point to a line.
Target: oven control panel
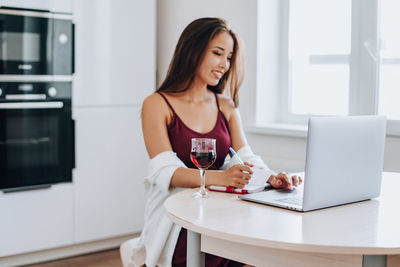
35	91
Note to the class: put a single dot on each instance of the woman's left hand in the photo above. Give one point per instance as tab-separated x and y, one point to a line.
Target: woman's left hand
281	180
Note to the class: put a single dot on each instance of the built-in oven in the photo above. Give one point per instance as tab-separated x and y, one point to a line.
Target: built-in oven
36	135
36	42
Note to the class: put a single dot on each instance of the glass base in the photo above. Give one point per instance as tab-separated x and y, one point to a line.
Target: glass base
200	194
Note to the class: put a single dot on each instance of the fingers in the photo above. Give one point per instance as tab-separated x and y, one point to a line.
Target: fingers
245	168
248	164
239	175
240	183
295	182
282	180
275	182
285	181
242	171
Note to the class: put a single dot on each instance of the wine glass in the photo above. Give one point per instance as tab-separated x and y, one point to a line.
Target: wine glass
203	155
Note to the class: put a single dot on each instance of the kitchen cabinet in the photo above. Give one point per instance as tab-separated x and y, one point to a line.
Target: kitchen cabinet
63	6
115	69
110	166
36	220
115	45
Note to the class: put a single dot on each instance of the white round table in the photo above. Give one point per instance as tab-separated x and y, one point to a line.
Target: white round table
358	234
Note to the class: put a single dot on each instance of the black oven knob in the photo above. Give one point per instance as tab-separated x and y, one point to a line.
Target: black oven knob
52	91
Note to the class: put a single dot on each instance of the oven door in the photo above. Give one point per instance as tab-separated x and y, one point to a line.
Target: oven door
36	144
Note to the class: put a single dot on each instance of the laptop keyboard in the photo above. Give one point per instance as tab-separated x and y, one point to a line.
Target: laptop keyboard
292	200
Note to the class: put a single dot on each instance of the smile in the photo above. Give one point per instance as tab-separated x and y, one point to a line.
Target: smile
218	74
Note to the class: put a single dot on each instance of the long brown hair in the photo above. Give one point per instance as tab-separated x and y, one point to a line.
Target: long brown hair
190	51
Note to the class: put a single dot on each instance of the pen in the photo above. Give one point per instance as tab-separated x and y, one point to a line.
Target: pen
236	155
229	189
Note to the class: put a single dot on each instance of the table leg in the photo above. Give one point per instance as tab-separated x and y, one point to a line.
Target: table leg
374	261
194	256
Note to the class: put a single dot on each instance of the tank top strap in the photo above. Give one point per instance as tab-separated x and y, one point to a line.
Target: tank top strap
166	100
216	99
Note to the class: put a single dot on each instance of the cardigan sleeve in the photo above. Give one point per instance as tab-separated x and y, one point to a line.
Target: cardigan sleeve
161	169
157	241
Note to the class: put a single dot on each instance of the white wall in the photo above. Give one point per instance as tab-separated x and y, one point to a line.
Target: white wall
279	152
288	153
115	71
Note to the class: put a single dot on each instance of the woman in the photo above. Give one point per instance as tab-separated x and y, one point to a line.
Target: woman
198	98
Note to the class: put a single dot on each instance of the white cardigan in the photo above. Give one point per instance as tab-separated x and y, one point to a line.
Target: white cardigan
159	236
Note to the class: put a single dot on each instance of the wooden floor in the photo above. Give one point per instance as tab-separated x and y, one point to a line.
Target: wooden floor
109	258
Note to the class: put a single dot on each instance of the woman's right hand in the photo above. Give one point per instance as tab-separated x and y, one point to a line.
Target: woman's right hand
237	175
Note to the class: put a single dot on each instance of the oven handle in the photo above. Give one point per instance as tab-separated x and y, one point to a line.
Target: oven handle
73	144
30	105
73	48
26	97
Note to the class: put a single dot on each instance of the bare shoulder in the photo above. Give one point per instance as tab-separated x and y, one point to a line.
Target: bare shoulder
226	102
154	124
154	106
154	103
153	99
227	105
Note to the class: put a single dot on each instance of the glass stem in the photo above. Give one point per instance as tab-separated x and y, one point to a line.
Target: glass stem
203	181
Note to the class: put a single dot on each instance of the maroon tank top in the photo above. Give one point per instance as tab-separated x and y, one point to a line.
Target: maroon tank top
180	137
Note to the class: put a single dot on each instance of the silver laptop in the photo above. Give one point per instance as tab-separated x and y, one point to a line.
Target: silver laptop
344	164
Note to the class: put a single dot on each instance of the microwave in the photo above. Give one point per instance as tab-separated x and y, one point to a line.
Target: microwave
35	43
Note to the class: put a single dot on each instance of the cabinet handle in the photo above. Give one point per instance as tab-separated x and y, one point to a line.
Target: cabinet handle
26	188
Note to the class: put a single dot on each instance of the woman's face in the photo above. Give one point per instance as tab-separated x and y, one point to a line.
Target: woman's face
216	60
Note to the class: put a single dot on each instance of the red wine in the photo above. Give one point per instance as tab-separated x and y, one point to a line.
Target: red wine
203	160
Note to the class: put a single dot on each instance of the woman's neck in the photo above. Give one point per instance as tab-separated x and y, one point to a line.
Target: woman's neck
197	93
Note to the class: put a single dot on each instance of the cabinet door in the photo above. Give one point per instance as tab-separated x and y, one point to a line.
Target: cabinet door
110	166
51	5
115	51
64	6
39	4
36	220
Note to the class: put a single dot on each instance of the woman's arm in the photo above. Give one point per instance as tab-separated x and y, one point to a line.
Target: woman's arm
154	125
235	176
155	117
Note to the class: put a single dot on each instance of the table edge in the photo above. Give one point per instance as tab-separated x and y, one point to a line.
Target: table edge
311	248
